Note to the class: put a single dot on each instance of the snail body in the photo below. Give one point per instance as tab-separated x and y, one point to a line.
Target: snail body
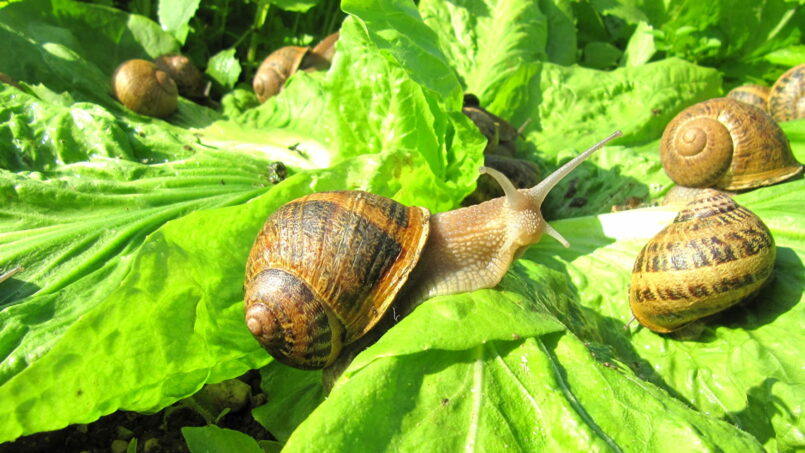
326	267
144	88
726	144
787	95
714	255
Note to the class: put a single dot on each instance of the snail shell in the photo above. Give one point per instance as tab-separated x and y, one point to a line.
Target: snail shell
787	97
726	144
369	243
751	94
275	70
325	49
144	88
187	76
715	254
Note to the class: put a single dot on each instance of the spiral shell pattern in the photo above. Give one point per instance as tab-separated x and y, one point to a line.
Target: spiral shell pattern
726	144
324	270
276	69
715	254
787	97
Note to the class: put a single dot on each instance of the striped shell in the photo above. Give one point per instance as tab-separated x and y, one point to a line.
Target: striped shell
715	254
787	97
726	144
751	94
307	298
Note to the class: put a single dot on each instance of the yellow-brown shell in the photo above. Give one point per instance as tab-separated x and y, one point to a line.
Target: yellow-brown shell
726	144
324	270
188	78
325	49
757	95
144	88
715	254
787	97
275	70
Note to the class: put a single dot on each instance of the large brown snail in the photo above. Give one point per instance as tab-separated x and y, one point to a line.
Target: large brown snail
726	144
144	88
787	95
714	255
326	267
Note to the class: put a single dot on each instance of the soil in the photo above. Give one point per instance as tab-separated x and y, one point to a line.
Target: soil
155	433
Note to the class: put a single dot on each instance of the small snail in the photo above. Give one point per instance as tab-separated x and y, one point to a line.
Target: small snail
187	76
275	70
325	49
144	88
326	267
715	254
751	94
787	96
726	144
500	134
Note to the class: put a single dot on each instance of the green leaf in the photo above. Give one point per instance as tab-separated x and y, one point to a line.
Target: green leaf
397	29
174	16
224	68
212	439
299	6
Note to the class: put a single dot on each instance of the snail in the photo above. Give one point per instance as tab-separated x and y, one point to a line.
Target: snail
326	267
144	88
275	70
757	95
188	78
714	255
787	96
325	49
726	144
500	134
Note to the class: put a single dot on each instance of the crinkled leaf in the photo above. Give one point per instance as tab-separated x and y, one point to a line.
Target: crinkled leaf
136	244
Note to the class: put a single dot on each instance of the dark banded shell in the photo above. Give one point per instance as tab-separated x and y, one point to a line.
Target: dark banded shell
325	268
726	144
751	94
787	97
715	254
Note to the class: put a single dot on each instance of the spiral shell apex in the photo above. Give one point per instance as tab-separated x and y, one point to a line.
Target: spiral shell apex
787	97
715	254
324	270
726	144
